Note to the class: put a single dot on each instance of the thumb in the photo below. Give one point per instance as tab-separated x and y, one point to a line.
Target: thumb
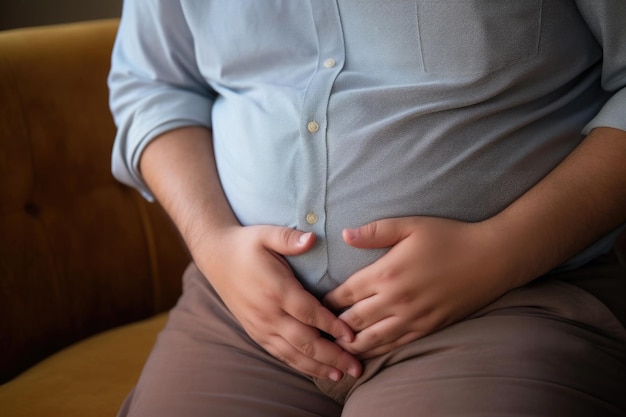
375	235
286	241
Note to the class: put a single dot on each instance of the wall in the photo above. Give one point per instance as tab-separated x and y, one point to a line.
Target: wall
20	13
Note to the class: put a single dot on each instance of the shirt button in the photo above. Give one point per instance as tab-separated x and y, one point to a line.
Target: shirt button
313	127
329	63
311	218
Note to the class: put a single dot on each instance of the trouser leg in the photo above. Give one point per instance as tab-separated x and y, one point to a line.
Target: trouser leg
203	364
549	349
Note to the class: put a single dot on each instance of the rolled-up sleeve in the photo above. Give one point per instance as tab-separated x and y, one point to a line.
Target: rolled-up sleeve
154	83
606	19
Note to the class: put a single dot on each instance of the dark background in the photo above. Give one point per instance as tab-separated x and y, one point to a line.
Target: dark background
21	13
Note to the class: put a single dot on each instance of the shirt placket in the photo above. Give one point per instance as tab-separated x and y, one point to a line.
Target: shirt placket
312	209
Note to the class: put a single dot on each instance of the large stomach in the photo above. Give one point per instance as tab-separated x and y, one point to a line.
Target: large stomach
466	164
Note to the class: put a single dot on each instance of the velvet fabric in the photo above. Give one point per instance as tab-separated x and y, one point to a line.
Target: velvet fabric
88	378
79	252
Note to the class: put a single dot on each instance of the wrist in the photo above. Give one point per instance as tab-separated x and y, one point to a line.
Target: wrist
209	244
503	250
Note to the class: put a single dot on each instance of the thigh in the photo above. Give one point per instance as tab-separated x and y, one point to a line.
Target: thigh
549	349
203	364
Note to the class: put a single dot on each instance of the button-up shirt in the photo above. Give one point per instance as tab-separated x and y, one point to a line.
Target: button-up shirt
331	114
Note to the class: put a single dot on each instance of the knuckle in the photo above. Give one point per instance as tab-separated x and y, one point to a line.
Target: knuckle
307	349
272	296
371	229
285	236
406	299
389	273
356	321
309	315
348	295
259	314
374	338
305	311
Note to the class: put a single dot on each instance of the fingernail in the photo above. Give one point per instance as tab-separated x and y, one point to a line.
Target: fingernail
335	376
304	238
353	371
351	234
346	338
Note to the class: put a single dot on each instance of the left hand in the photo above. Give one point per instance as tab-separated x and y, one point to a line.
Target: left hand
437	272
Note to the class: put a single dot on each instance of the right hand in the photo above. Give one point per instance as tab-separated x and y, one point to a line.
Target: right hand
248	271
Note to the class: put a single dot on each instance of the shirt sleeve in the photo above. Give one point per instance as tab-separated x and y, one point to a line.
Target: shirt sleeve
605	19
155	84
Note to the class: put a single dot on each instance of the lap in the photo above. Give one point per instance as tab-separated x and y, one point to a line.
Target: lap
506	363
547	349
203	364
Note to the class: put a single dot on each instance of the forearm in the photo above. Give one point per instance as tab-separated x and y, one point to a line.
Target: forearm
245	265
583	198
179	167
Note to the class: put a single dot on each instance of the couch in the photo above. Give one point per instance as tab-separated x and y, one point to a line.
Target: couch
88	269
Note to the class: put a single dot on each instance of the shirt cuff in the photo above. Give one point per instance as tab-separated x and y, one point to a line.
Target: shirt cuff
157	115
612	114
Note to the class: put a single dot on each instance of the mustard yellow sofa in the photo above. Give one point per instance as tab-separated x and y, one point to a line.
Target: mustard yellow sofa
88	269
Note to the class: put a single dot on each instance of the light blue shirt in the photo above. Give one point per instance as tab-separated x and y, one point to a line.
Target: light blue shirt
331	114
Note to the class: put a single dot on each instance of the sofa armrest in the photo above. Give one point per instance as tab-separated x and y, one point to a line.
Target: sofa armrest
79	252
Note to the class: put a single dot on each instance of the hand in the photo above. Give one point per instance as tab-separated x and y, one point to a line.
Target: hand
437	271
257	285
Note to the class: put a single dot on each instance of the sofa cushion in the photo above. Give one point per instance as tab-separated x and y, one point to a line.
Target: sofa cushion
90	378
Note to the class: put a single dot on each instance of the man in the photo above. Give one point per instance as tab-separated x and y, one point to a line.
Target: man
393	206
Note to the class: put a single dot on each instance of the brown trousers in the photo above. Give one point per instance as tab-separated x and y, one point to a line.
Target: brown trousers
553	348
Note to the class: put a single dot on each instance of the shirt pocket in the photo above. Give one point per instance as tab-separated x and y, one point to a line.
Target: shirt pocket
477	37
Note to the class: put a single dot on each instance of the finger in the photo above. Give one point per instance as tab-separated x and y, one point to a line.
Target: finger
365	313
360	286
375	235
386	348
386	332
282	350
316	354
305	308
341	298
286	241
